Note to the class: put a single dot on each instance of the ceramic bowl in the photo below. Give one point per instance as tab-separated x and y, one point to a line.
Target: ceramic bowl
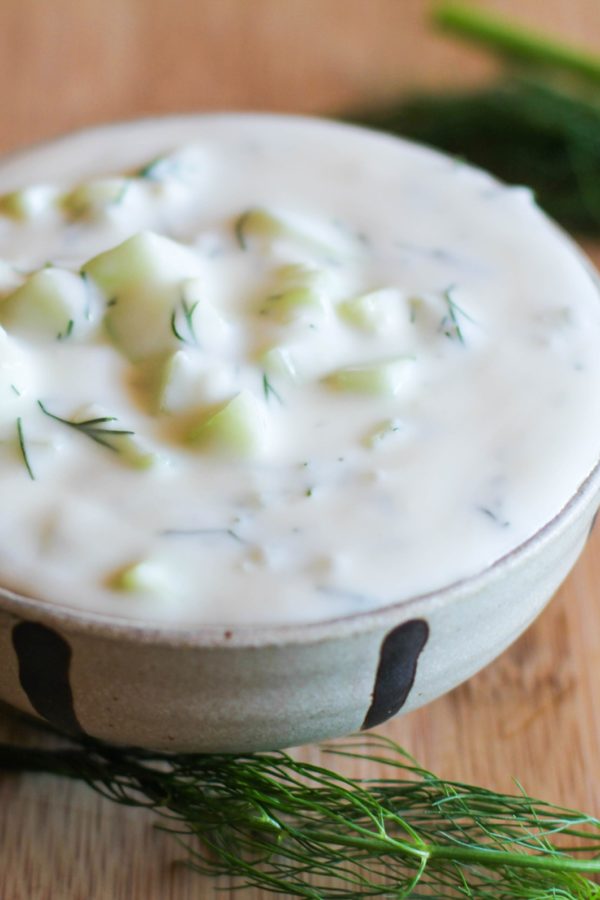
244	689
251	688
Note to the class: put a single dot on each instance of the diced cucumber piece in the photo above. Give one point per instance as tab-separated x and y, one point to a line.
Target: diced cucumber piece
132	450
260	225
370	312
184	380
383	433
237	428
207	327
95	197
51	304
299	295
10	278
279	361
295	304
142	281
384	378
177	373
180	383
144	259
28	203
146	576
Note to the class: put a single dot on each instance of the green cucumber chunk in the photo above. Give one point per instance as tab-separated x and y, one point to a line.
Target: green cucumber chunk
237	428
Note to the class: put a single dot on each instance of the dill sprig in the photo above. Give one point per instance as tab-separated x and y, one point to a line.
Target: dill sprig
187	310
538	125
23	448
94	428
297	829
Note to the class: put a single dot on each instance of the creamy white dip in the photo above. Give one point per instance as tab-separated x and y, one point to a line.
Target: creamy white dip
349	369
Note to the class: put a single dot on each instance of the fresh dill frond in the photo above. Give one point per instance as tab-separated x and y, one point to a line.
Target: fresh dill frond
23	448
95	428
186	311
270	821
538	125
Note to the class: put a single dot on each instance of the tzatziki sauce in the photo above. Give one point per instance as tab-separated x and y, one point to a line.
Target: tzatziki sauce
271	369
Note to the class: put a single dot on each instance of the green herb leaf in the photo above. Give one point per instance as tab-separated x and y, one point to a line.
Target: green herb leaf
93	428
67	332
187	310
23	448
268	389
450	324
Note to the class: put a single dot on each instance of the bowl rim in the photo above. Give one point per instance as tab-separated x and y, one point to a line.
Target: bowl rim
241	635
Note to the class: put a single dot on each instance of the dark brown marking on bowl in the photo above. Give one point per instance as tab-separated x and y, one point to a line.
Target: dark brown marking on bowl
44	658
398	659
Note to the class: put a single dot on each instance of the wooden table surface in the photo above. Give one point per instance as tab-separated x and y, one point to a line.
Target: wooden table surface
535	712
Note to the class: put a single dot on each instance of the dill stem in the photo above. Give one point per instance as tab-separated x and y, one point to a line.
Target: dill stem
490	859
515	41
383	844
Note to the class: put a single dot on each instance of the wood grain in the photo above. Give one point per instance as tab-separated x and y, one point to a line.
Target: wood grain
534	713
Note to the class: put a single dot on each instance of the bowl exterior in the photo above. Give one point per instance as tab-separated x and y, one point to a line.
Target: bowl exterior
186	693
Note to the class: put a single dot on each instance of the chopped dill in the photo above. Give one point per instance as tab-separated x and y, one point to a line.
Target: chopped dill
148	171
309	492
269	390
160	168
93	428
155	170
23	448
88	299
188	311
503	523
63	335
202	532
239	229
15	390
450	324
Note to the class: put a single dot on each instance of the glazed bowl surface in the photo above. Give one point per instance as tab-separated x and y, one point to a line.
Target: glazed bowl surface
244	688
222	689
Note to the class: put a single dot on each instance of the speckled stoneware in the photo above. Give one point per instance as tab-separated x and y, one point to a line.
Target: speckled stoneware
219	689
247	689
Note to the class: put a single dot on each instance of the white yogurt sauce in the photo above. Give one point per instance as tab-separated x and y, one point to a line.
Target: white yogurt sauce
431	398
